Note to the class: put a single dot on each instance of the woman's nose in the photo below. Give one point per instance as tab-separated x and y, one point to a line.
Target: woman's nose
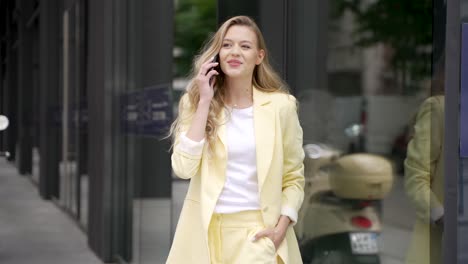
235	50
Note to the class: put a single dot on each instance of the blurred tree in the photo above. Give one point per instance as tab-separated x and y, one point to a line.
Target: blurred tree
195	20
404	25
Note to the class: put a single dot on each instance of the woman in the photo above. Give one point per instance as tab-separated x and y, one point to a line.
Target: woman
424	175
238	139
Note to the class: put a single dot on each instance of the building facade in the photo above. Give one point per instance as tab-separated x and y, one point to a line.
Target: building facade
90	88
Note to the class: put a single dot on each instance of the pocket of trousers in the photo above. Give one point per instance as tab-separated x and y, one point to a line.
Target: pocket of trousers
270	244
267	242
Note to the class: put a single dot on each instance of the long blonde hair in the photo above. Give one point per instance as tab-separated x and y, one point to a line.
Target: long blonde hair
264	78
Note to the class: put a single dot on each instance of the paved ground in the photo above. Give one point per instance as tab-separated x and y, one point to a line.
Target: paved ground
34	231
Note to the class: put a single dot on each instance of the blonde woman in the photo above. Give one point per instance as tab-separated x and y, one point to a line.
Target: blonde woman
238	139
424	174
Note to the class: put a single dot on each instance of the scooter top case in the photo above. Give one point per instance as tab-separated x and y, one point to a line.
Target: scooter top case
361	176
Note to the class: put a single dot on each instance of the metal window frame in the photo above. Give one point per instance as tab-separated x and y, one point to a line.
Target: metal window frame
452	133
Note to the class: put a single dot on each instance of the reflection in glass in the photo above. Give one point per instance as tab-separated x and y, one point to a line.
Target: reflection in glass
73	178
424	181
153	210
363	69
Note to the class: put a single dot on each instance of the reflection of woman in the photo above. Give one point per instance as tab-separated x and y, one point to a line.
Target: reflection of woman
239	140
424	182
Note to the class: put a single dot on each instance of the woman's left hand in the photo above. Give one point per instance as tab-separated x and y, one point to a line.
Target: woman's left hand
276	235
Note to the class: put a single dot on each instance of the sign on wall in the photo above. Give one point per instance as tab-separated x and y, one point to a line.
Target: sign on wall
147	112
464	93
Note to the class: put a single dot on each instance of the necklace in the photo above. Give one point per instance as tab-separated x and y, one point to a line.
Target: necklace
250	99
236	107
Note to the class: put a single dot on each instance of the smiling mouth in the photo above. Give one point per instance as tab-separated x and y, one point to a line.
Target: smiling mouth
234	63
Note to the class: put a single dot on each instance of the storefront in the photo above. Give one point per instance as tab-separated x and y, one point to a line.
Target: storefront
91	88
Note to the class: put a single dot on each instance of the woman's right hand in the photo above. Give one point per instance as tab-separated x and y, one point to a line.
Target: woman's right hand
203	80
197	128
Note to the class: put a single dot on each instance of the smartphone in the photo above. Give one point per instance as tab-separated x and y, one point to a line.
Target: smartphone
217	68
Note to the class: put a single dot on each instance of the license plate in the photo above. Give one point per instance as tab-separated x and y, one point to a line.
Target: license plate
364	243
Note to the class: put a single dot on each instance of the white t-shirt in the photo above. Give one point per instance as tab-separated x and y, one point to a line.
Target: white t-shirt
240	192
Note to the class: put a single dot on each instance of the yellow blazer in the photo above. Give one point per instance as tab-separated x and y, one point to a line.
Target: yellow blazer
280	173
424	181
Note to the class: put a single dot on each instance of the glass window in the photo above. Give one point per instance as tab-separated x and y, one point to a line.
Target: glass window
370	85
147	157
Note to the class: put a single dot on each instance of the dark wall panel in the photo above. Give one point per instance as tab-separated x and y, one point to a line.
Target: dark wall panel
99	154
11	96
156	69
230	8
25	84
48	96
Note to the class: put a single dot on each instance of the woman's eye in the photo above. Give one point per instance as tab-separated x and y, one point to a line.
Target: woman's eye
226	45
245	47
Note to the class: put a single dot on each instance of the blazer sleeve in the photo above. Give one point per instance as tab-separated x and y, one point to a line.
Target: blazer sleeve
423	153
187	155
293	161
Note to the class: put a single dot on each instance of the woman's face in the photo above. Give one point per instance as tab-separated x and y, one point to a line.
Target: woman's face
239	53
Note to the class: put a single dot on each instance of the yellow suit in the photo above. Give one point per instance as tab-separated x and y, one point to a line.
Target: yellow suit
424	181
280	173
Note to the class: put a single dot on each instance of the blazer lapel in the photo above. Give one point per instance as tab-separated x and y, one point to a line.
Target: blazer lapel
264	125
222	129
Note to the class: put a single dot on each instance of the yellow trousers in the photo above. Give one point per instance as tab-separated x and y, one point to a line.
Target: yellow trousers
230	240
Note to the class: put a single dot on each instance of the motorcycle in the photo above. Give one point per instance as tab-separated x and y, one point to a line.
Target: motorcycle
4	125
340	219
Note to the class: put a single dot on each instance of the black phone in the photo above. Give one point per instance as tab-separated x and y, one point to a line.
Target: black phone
217	68
215	59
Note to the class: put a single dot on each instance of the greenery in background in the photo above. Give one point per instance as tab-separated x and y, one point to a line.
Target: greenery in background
195	20
404	25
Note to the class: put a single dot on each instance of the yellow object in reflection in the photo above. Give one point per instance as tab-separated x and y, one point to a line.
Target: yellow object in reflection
361	176
424	181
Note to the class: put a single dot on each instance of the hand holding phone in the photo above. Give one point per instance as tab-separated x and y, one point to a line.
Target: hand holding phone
205	79
216	68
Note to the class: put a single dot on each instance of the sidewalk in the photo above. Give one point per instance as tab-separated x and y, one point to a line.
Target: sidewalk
34	231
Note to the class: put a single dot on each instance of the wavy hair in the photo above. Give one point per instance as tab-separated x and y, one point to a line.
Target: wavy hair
264	78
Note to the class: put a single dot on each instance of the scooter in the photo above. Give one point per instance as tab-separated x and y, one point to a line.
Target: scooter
3	125
339	221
